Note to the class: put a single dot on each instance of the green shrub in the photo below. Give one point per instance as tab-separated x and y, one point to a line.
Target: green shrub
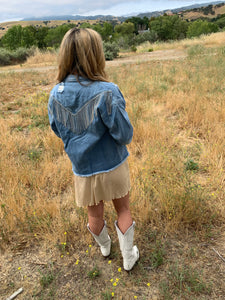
9	57
133	48
148	36
4	57
191	165
200	27
21	54
111	50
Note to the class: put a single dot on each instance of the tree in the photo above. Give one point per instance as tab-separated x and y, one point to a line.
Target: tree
85	25
107	31
55	35
12	39
201	27
28	37
221	22
40	37
125	28
139	23
169	27
124	34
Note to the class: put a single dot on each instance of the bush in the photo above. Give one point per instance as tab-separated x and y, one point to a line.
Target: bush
111	50
8	57
21	54
133	48
200	27
4	57
148	36
123	42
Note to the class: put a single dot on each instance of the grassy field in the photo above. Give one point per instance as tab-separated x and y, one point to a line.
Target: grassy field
209	41
177	196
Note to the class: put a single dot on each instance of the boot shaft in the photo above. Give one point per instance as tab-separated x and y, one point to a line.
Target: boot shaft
130	253
103	240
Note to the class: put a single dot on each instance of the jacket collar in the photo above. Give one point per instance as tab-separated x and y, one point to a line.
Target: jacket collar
73	78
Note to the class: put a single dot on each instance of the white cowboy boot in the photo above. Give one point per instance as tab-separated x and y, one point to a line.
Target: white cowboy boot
130	253
103	240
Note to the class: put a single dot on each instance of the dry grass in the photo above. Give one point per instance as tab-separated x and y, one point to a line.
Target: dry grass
192	15
42	58
176	161
178	115
213	40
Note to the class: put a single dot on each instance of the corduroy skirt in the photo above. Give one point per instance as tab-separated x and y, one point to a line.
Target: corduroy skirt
105	186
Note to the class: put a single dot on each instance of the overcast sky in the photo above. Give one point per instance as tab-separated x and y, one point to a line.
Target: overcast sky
16	10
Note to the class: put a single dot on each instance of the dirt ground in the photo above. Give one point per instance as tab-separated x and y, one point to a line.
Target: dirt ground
45	273
171	54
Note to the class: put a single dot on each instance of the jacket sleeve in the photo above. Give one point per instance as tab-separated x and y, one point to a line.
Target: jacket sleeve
51	117
116	118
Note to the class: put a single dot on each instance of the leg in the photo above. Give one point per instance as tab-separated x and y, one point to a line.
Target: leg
123	211
125	231
98	229
95	218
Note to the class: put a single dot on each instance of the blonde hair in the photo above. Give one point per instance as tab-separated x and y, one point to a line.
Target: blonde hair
81	53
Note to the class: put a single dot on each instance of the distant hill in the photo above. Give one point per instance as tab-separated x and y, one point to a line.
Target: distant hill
177	10
76	18
209	12
123	18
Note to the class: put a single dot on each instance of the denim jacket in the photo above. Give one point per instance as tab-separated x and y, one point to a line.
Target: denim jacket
91	120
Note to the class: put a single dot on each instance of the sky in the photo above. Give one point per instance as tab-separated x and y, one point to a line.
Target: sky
17	10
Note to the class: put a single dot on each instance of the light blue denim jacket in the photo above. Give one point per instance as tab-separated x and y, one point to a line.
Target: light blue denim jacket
91	120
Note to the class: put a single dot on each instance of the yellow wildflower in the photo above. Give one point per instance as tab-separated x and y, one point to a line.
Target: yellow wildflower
109	262
119	269
112	294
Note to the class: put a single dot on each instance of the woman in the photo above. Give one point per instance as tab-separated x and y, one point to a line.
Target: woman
88	113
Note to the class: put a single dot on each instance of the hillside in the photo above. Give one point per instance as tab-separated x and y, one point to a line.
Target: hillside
177	10
192	12
210	11
38	23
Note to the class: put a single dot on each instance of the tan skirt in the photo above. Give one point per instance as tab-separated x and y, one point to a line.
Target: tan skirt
104	186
